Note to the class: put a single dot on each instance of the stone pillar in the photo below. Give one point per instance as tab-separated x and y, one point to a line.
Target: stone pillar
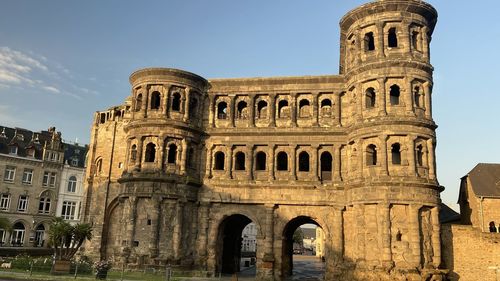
412	165
436	237
382	97
337	122
425	43
160	150
315	163
361	157
293	109
183	160
431	159
165	100
249	161
334	254
186	104
406	37
209	161
293	162
232	111
203	233
427	95
360	229
414	235
379	40
384	232
315	114
127	155
361	99
155	226
251	117
145	99
408	96
211	111
177	235
268	260
336	163
337	233
229	164
138	160
384	171
271	162
131	220
272	110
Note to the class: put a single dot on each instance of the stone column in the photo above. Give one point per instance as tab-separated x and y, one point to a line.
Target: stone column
232	111
249	161
382	97
361	157
272	110
414	235
408	96
337	233
165	100
211	111
131	220
406	37
203	232
337	122
379	39
177	235
145	99
251	117
336	163
384	223
431	159
384	171
229	160
186	104
138	160
155	226
361	99
412	165
315	114
293	109
268	260
293	162
271	161
427	95
127	155
436	237
183	156
315	163
209	161
360	229
425	43
160	150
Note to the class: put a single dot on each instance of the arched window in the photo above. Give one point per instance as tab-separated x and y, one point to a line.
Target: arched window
282	109
304	109
155	100
98	166
394	94
304	162
369	42
222	110
138	102
17	237
133	153
172	154
326	102
242	110
371	155
150	152
176	102
262	109
282	161
193	107
219	160
44	203
239	164
417	96
392	39
326	108
103	118
370	98
396	154
420	155
260	161
326	165
72	184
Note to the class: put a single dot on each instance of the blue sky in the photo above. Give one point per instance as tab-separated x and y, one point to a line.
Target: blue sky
60	60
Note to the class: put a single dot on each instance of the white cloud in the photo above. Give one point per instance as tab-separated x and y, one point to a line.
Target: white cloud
52	89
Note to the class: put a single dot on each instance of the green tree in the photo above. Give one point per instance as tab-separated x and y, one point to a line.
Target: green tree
298	236
5	224
66	238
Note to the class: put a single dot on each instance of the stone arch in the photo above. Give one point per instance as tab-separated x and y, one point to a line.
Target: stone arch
113	226
283	108
304	108
262	109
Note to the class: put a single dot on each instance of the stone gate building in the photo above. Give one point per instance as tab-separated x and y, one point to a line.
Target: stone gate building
184	164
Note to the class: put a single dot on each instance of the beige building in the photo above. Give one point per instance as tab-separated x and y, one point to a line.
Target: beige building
178	170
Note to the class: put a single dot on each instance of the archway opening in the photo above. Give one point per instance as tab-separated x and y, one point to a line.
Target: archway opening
237	246
303	254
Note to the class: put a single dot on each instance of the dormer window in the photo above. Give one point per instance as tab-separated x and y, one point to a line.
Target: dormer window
30	152
13	149
74	162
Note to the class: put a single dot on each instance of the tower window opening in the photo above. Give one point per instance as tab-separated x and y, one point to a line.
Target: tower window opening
304	162
133	153
242	110
222	110
326	108
282	161
417	96
176	102
282	108
394	95
369	42
420	155
371	155
239	164
304	108
172	154
150	152
415	40
262	109
370	98
193	106
219	160
190	158
396	154
260	163
392	38
138	102
155	100
326	160
103	118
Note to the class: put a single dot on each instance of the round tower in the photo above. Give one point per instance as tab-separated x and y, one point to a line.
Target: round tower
392	191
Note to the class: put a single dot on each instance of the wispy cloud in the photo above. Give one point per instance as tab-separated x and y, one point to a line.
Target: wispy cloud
52	89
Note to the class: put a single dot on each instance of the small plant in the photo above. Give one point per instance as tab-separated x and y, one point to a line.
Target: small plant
103	265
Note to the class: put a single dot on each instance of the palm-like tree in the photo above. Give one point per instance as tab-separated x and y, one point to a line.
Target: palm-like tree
66	238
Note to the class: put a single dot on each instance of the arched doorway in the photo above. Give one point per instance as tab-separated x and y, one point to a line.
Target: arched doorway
233	248
300	258
39	236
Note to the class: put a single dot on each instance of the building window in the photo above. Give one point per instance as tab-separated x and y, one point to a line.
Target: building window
44	205
193	107
72	184
282	161
49	179
17	237
22	204
172	154
39	235
417	96
326	108
392	39
176	102
10	173
261	159
98	166
371	155
155	100
396	154
369	42
28	176
242	110
262	109
30	152
2	236
150	152
68	210
219	160
74	162
222	110
304	162
239	164
54	157
138	102
13	149
4	202
420	155
394	94
133	153
370	98
326	165
304	108
415	40
190	158
283	109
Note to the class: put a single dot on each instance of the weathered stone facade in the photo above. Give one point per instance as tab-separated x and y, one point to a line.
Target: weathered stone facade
178	170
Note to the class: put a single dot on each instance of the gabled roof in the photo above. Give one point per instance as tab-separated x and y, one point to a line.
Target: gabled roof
485	180
23	139
447	214
75	152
